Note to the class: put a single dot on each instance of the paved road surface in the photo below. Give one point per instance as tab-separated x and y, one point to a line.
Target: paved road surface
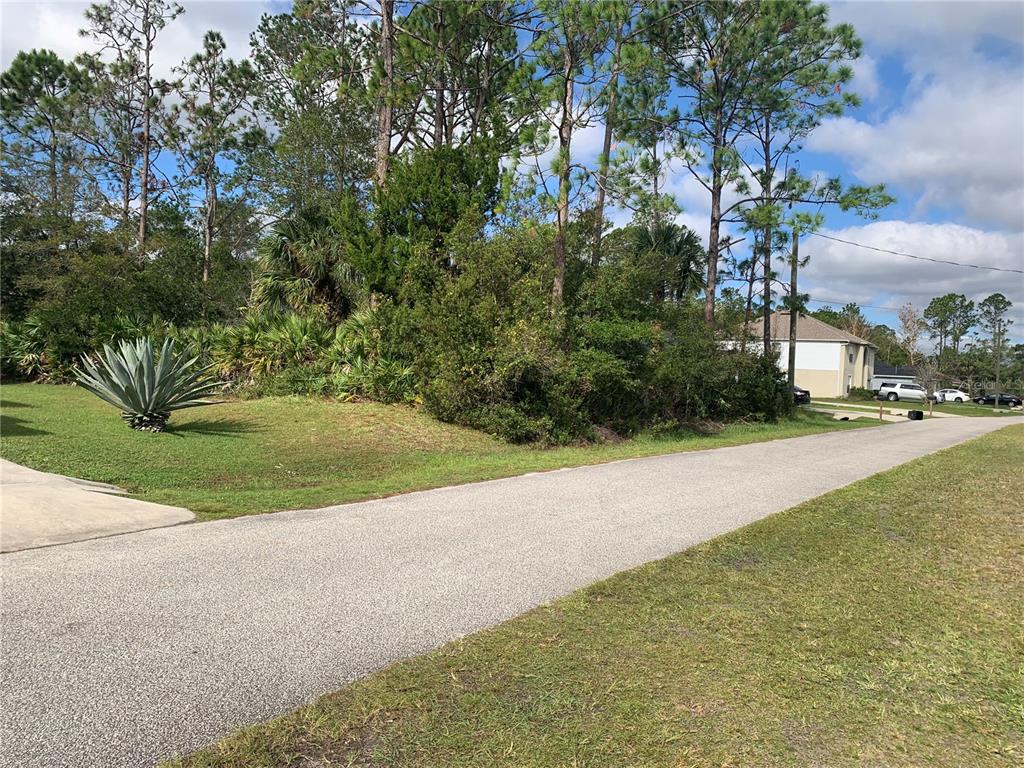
125	650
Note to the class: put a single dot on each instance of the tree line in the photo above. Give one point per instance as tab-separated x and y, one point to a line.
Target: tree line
384	156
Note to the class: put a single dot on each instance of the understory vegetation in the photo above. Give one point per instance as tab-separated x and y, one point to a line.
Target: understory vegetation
877	625
473	338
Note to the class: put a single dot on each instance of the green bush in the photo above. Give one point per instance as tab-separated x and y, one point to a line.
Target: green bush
386	381
610	394
23	349
860	393
487	350
489	353
294	380
262	346
292	354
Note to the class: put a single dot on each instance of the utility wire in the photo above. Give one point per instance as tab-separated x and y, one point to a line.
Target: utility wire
920	258
835	302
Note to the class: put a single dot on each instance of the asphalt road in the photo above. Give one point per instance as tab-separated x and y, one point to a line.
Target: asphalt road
127	650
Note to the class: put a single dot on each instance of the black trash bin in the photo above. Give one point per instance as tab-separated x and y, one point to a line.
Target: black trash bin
915	415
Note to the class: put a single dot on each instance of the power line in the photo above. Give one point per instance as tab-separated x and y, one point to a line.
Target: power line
834	302
919	258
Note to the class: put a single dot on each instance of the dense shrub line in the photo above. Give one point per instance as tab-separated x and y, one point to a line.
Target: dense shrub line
480	347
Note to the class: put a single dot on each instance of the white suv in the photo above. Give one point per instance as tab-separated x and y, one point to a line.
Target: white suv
901	391
953	396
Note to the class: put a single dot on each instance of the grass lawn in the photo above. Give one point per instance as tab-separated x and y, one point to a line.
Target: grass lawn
973	409
879	625
290	453
958	409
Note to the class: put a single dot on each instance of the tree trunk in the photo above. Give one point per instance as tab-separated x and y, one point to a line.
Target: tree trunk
766	197
794	313
147	120
716	224
605	160
210	216
766	292
602	183
564	177
144	184
439	83
126	194
53	172
749	306
385	109
208	223
716	221
655	184
997	340
439	115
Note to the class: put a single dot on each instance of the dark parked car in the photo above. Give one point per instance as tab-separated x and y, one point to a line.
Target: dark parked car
1004	399
801	395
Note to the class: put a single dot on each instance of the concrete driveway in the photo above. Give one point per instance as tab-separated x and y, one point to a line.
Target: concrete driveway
38	509
125	650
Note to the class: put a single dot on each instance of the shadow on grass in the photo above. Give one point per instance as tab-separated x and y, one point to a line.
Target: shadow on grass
13	427
217	427
13	404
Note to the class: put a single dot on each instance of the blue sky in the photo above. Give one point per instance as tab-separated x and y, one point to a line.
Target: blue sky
942	124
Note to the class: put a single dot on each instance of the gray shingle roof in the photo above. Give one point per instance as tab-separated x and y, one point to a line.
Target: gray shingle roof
807	329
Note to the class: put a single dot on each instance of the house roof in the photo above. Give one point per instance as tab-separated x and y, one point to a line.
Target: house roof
807	329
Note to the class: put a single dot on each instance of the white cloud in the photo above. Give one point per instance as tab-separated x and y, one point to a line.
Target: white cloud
955	141
839	273
41	25
55	25
933	35
958	145
865	78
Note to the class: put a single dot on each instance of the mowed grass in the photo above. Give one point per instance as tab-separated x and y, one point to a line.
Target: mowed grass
271	454
957	409
973	409
879	625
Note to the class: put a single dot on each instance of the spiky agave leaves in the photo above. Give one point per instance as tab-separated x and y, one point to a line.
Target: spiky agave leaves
145	388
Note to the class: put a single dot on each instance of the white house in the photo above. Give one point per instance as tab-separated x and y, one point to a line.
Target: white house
829	362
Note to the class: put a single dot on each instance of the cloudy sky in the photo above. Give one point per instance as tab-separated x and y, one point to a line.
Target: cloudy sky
942	124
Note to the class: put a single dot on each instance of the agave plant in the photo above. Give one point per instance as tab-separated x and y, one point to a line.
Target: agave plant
144	386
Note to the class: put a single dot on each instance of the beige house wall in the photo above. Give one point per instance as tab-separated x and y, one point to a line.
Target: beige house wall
847	368
825	367
820	383
858	372
835	383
